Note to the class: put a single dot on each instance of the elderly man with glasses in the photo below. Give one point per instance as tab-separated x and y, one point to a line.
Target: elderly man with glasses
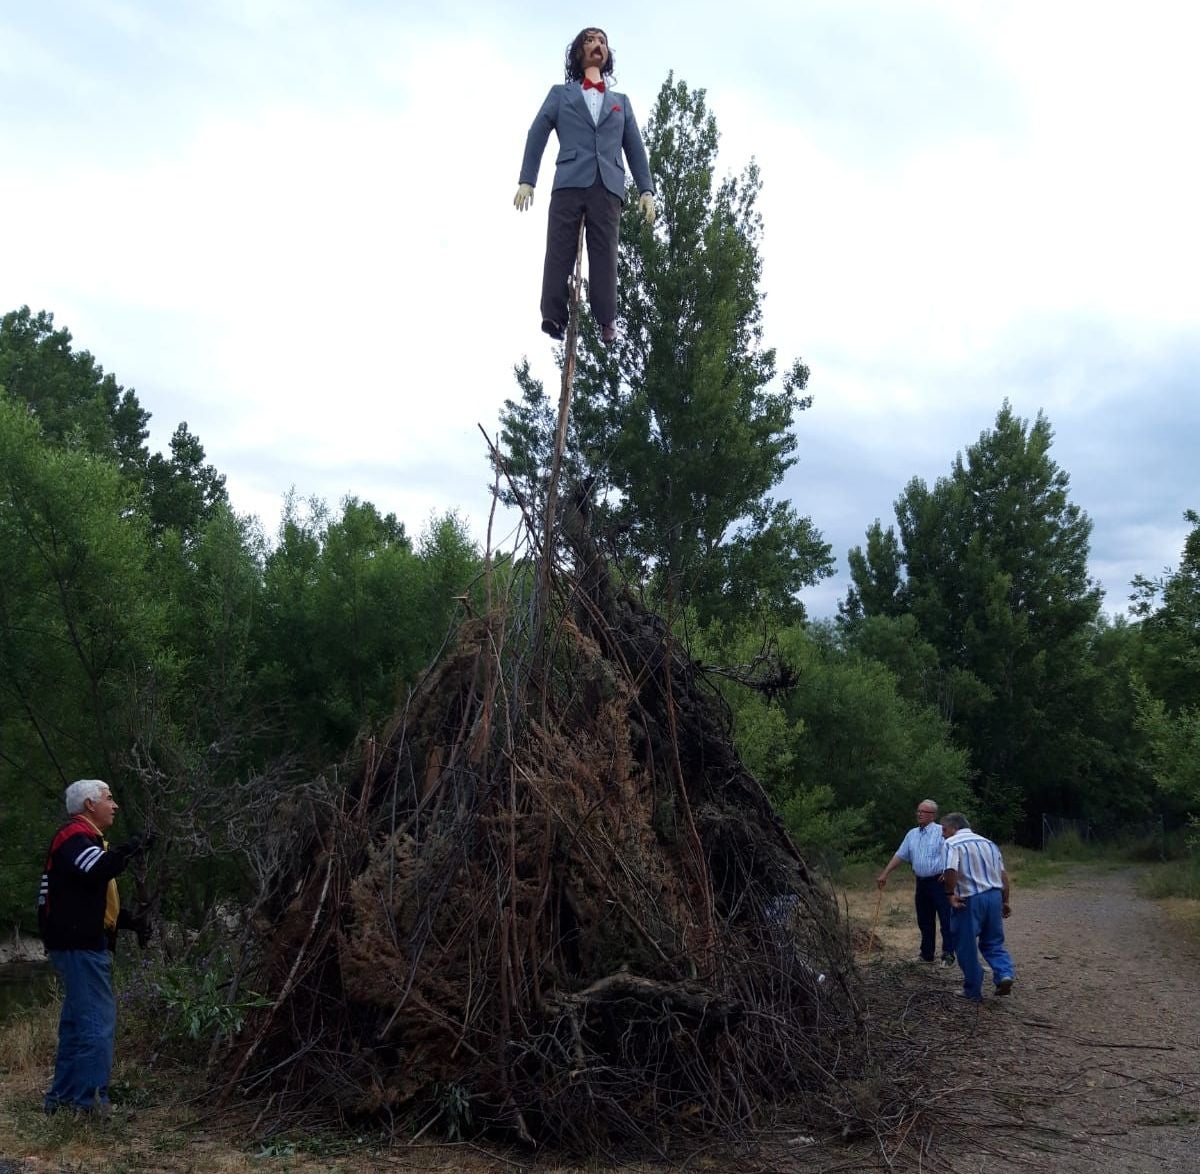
925	849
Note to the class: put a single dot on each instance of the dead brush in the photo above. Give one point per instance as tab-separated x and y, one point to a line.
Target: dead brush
553	887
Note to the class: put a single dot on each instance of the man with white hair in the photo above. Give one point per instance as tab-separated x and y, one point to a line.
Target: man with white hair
79	911
924	849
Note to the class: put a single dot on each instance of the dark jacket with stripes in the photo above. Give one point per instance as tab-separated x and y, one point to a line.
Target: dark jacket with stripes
74	889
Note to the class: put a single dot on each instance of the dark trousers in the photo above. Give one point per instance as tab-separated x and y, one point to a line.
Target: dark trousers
933	905
603	211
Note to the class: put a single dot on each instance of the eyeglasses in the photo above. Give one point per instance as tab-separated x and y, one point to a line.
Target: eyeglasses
925	811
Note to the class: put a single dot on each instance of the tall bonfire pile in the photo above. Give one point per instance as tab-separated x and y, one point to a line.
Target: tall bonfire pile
552	902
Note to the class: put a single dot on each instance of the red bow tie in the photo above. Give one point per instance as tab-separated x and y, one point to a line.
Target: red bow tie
588	84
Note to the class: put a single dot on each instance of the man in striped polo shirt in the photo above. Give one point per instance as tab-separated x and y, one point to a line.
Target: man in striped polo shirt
925	850
978	888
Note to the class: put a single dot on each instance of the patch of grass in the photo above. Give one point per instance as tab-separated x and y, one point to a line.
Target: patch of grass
28	1039
1070	846
1031	868
859	872
1175	878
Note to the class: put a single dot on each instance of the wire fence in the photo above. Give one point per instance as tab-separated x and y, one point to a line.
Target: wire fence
1148	837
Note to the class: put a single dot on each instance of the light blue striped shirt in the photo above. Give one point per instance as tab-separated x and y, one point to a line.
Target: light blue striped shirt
976	860
925	849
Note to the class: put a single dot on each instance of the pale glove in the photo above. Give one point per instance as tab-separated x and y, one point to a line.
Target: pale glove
646	207
524	197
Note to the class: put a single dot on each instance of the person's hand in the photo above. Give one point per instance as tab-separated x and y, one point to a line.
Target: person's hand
144	928
524	197
881	880
647	207
1005	909
135	845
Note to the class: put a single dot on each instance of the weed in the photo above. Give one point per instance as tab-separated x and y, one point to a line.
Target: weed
28	1039
1176	878
186	1004
454	1107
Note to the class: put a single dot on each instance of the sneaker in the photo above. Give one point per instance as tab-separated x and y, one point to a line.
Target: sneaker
927	961
1004	985
608	333
552	328
948	960
969	998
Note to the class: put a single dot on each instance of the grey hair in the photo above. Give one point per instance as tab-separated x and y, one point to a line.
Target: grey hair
956	820
929	803
78	793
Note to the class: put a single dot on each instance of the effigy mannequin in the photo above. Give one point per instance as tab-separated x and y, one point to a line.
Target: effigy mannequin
595	126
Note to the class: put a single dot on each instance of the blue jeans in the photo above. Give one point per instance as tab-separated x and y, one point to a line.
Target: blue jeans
979	928
933	905
85	1029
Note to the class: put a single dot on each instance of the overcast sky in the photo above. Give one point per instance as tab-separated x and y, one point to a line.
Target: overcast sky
290	224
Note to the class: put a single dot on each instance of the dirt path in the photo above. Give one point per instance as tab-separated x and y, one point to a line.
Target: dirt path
1096	1054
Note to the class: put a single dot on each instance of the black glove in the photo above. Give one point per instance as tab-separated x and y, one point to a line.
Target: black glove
140	923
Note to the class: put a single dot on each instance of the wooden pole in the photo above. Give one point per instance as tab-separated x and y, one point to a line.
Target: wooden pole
560	437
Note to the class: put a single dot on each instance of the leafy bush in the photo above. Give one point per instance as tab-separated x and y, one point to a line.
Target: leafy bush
187	1002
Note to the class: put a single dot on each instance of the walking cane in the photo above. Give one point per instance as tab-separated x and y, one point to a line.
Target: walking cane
874	924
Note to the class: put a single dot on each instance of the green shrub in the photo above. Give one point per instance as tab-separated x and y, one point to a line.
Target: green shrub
188	1002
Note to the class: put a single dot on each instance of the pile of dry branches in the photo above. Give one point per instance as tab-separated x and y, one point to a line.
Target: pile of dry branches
552	902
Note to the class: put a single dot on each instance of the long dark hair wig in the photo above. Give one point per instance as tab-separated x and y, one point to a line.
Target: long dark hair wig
574	62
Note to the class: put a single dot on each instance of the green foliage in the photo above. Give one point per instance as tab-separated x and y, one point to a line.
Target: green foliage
1070	845
1029	867
182	492
350	612
843	753
996	581
454	1110
1169	606
149	636
77	405
877	578
1175	878
824	831
1174	743
80	624
197	1006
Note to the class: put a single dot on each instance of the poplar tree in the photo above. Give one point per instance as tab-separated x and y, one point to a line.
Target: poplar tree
995	560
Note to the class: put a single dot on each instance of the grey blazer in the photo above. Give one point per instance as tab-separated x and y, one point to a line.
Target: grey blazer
584	145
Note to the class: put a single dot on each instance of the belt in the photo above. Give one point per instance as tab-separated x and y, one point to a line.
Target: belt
931	876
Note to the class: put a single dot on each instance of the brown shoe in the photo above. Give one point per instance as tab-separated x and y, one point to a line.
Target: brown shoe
1005	985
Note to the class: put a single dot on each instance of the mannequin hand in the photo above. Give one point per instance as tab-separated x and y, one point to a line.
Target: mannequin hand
646	207
524	197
